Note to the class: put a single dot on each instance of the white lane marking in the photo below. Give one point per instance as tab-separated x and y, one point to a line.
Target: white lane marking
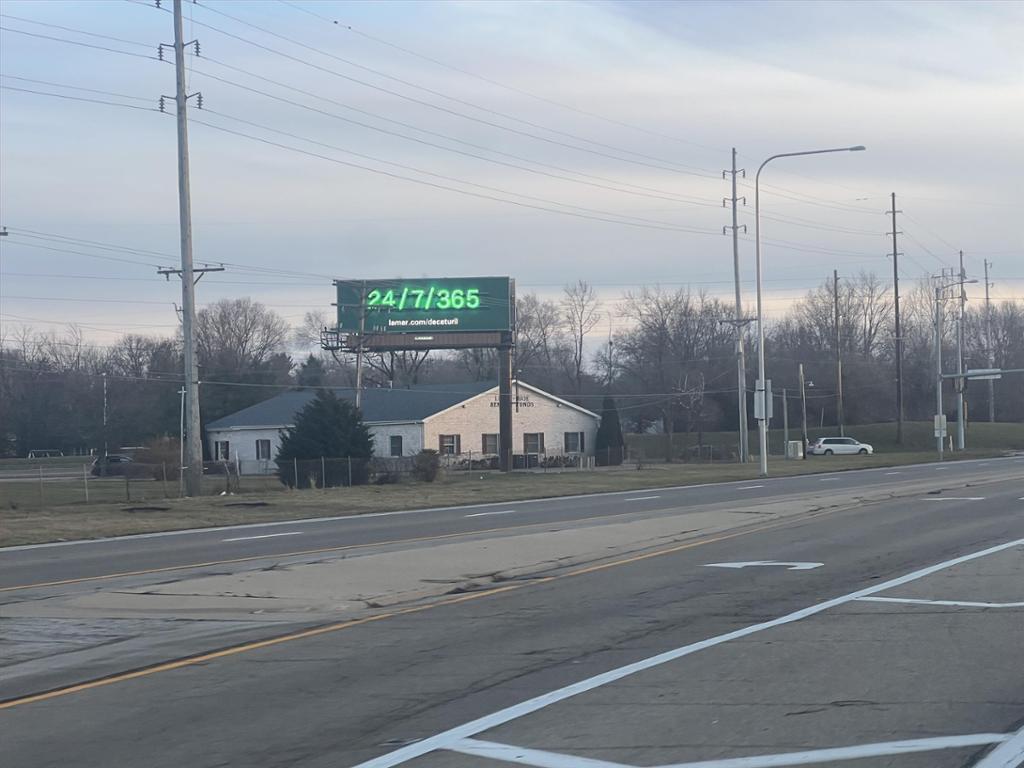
445	739
266	536
894	473
426	510
542	759
498	512
960	603
826	479
749	487
1008	755
789	566
523	756
642	498
953	498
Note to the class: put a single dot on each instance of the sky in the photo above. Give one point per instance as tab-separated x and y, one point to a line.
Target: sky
550	141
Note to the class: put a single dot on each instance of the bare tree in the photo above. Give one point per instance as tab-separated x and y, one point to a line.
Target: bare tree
581	309
239	332
541	343
398	368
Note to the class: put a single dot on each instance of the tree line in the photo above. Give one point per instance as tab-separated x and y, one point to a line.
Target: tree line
669	358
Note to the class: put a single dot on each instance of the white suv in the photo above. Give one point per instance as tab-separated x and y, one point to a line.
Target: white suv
827	446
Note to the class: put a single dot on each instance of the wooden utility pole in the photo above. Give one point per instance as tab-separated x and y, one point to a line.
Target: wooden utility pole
839	355
898	332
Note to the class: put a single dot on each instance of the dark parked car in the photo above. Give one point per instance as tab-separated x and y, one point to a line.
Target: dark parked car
111	464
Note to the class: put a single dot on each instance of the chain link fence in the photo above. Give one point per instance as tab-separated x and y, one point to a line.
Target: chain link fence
39	484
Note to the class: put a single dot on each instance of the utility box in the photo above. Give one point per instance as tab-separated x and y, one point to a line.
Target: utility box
795	449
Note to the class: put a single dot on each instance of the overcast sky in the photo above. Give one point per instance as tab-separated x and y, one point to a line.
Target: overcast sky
549	141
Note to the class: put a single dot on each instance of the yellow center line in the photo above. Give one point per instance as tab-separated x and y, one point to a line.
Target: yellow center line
314	632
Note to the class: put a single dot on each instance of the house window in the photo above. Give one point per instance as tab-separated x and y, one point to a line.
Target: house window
221	450
489	443
396	445
533	442
574	442
263	450
450	445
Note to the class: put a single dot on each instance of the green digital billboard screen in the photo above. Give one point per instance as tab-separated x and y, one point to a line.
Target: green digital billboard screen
434	305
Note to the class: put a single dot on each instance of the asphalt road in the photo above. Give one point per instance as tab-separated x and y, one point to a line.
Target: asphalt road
899	641
34	564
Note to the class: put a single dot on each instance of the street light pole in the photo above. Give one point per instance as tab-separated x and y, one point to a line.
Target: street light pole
762	424
938	358
939	437
803	411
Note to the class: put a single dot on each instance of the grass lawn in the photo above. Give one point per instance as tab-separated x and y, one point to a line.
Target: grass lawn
24	525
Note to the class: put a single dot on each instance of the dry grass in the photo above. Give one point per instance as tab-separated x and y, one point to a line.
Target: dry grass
58	523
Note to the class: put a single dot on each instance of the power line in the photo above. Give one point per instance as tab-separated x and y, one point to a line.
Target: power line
819	202
924	247
88	301
702	171
799	222
623	218
78	98
506	86
90	255
75	87
78	43
657	194
575	214
72	29
934	234
38	235
454	112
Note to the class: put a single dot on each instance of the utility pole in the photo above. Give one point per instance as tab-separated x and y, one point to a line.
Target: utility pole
785	424
839	355
193	437
899	334
960	381
803	411
988	346
738	321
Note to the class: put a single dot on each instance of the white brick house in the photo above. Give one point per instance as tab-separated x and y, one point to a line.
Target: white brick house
454	419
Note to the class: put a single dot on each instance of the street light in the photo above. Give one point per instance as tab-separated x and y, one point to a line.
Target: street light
938	370
762	423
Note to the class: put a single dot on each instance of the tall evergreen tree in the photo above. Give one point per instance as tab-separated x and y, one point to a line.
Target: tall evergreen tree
609	447
329	428
312	372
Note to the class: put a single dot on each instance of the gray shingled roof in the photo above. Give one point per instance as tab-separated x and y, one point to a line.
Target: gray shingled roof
412	404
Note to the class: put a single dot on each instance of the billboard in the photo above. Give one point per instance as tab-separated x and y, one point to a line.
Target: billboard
445	305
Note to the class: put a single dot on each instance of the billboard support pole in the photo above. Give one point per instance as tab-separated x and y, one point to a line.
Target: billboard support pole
505	404
359	349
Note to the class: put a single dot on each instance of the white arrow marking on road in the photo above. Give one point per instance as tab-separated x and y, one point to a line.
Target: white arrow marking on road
790	566
265	536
